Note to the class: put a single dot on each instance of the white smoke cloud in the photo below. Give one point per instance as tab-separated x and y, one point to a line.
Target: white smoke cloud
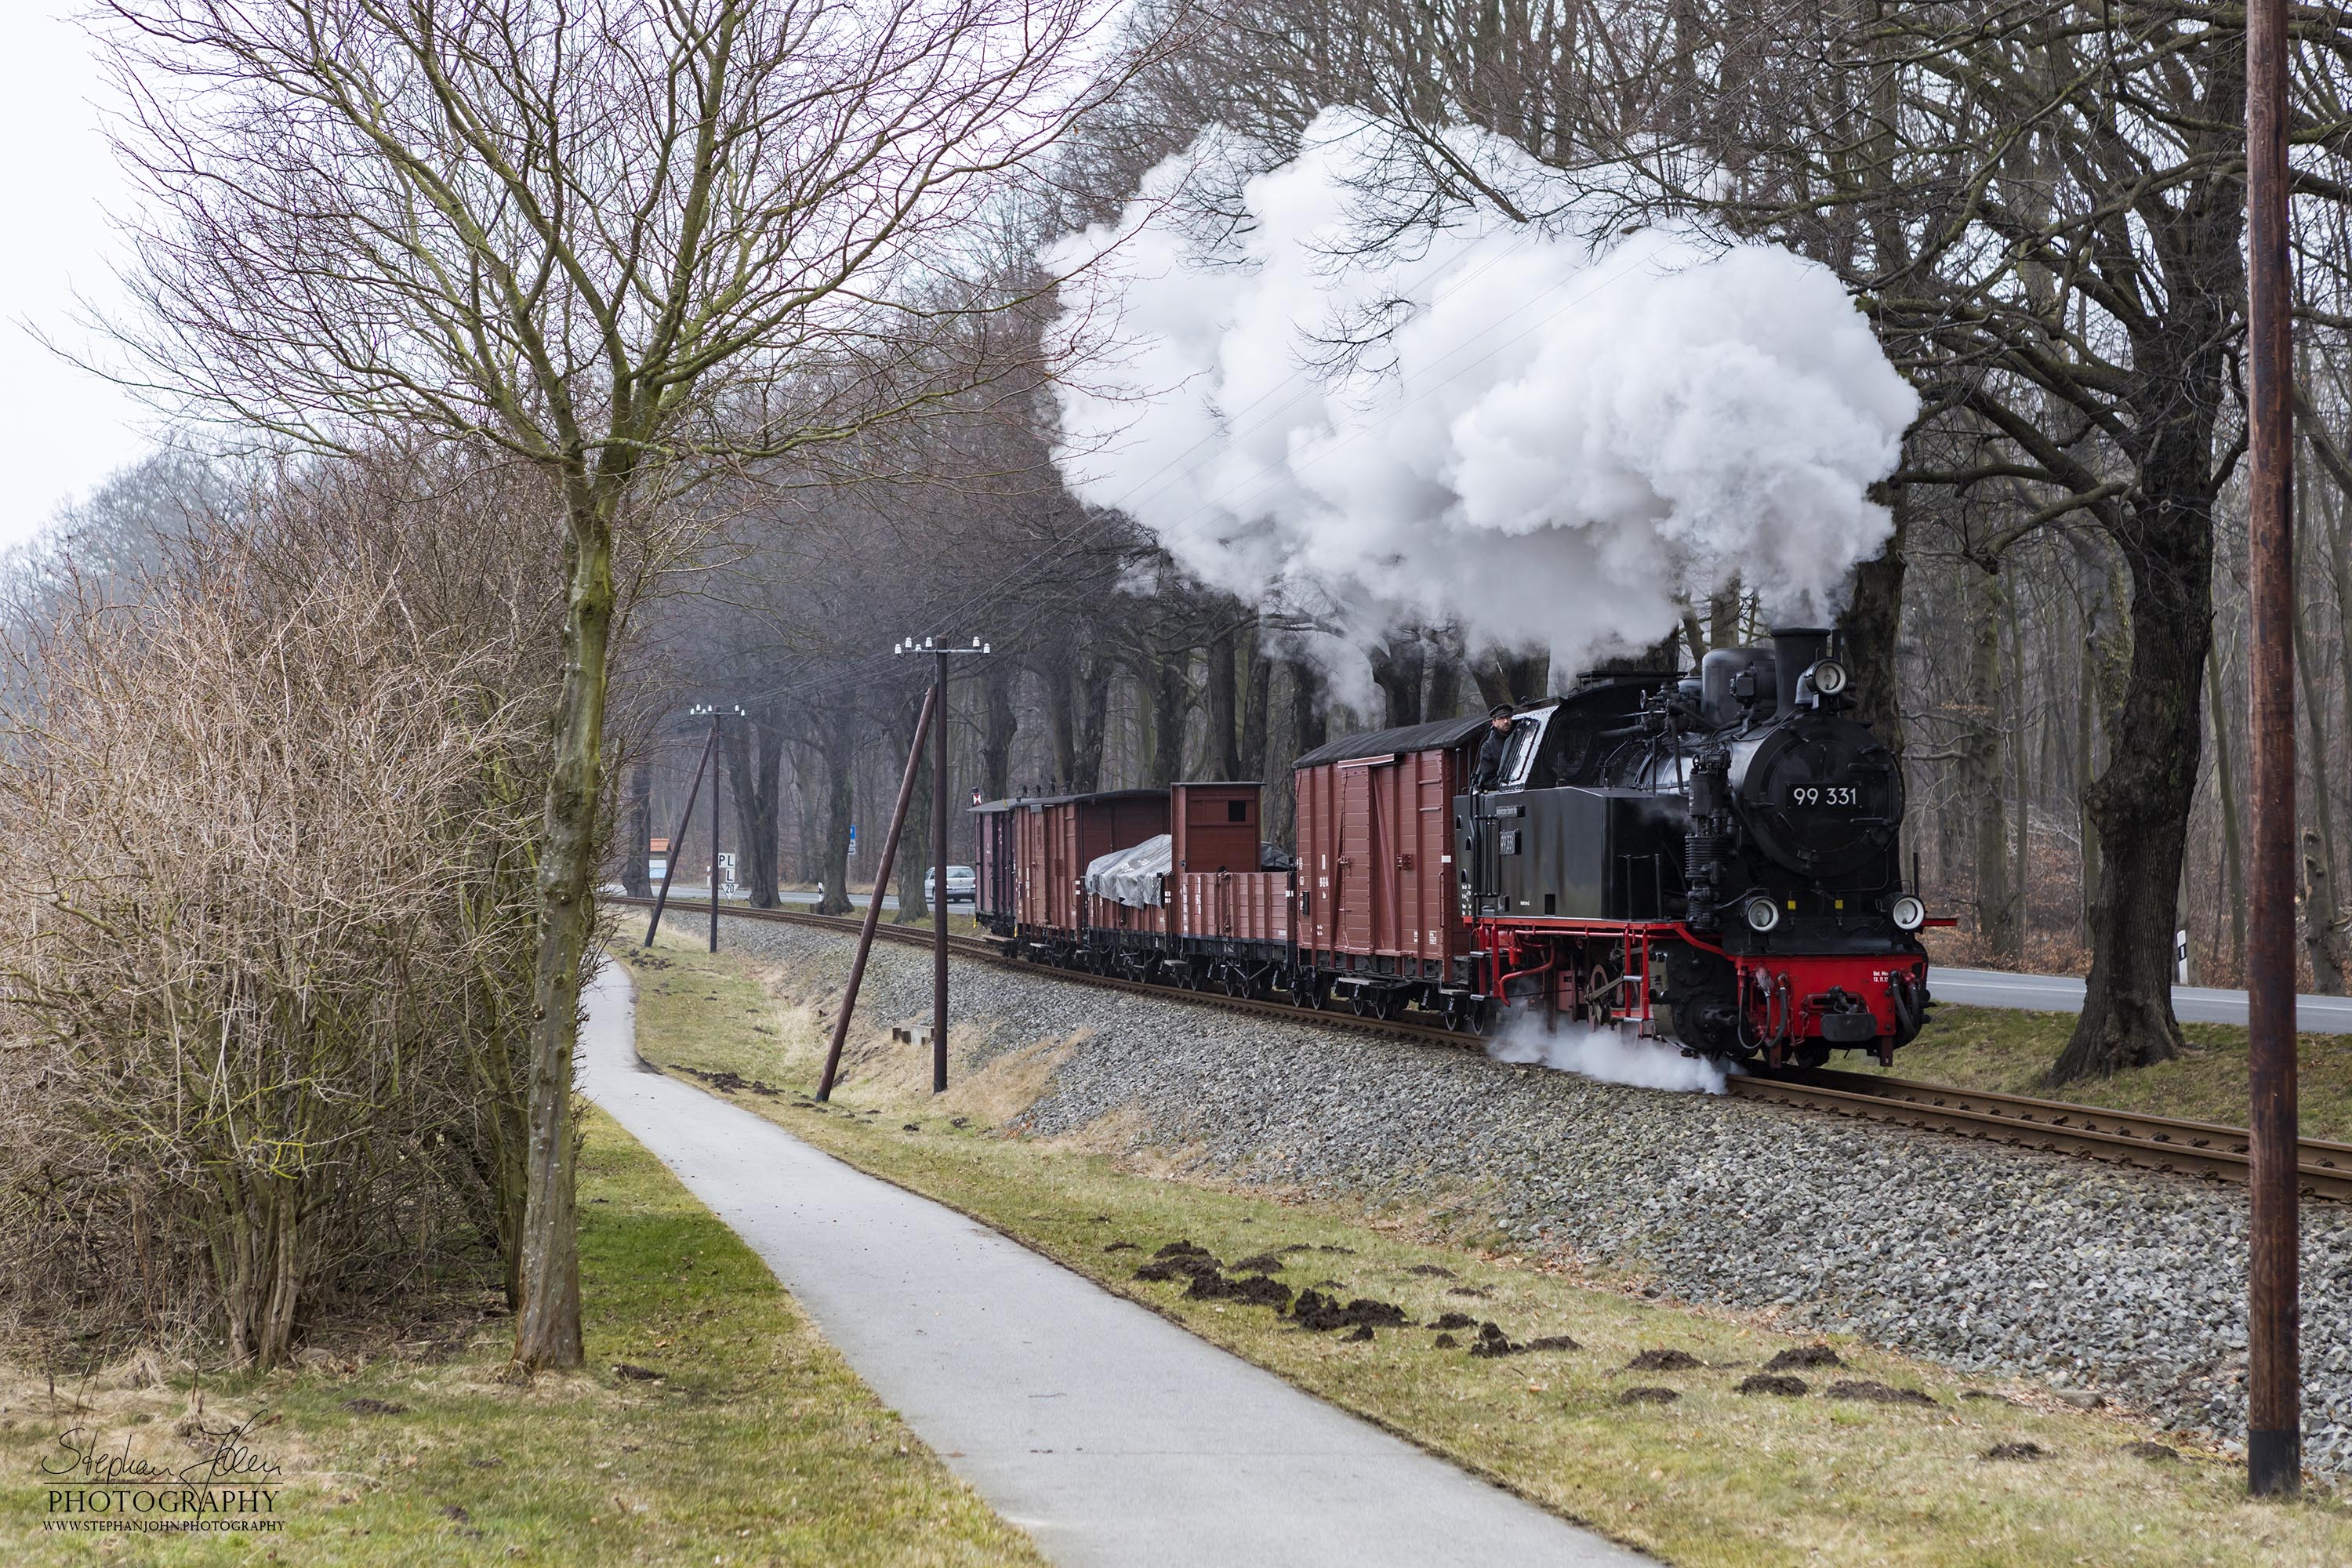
1610	1055
1560	440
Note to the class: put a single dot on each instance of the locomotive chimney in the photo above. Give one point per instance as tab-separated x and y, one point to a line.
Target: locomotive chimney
1796	649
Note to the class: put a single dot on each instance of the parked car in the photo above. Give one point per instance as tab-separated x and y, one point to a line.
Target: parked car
963	884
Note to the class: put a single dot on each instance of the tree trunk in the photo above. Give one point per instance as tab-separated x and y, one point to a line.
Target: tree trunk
2323	939
635	869
808	763
840	747
2233	851
2021	890
546	1324
2106	667
1224	758
915	838
1871	626
1310	719
1979	746
1078	700
1724	606
1256	708
1001	722
1398	662
1511	678
1444	679
2139	805
754	754
1169	686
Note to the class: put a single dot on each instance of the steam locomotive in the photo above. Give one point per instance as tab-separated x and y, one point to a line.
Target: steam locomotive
1714	860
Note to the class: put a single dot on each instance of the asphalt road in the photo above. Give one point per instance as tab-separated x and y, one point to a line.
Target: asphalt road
2062	993
1107	1433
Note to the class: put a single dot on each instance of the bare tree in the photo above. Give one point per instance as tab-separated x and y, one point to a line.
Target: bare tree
609	237
269	950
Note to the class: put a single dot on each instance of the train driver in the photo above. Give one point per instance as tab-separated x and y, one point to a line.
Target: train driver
1489	771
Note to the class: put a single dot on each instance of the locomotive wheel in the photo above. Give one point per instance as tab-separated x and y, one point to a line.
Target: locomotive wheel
1813	1054
1596	1011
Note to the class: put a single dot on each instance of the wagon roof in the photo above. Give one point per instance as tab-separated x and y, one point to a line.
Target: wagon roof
1098	796
1434	737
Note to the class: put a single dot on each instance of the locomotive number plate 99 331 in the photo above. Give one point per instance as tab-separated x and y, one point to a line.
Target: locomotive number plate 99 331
1824	794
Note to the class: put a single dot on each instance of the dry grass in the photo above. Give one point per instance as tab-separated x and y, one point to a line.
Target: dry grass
756	1444
1714	1476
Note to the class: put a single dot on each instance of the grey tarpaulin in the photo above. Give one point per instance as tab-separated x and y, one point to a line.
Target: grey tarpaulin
1132	876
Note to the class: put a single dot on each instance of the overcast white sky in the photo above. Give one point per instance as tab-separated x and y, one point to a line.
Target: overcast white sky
61	431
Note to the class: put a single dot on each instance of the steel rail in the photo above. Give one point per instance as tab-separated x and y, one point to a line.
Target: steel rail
2163	1145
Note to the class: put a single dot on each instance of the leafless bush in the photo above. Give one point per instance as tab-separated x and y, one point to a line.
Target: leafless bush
266	946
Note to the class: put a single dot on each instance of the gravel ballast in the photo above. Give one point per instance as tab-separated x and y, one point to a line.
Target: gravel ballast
2103	1283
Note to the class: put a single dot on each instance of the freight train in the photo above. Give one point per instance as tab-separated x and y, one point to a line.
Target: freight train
1713	859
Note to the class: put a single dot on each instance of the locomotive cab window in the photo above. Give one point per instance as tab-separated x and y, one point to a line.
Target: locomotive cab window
1519	757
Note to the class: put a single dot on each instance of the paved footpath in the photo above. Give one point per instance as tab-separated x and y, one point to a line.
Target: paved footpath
1110	1434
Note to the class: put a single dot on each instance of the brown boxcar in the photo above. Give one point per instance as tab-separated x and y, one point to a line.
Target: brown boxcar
992	832
1377	891
1054	838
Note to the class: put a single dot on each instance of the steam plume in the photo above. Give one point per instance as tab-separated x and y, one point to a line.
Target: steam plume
1562	439
1610	1055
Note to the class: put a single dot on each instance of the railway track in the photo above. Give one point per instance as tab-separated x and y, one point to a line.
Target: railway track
2162	1143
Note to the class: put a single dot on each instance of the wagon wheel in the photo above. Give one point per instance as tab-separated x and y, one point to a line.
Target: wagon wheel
1237	981
1390	1005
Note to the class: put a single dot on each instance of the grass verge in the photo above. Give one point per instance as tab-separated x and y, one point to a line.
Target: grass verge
755	1444
1711	1476
2009	1051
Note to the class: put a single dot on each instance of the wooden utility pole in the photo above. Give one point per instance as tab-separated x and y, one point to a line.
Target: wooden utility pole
939	881
940	653
685	820
874	904
2273	1373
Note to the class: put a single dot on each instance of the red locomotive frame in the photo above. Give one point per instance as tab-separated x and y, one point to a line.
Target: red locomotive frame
1785	995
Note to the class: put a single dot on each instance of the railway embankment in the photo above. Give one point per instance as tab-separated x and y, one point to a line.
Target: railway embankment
2097	1284
1705	1434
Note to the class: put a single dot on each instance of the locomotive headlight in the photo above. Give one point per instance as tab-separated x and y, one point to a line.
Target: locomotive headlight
1829	677
1909	913
1763	914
